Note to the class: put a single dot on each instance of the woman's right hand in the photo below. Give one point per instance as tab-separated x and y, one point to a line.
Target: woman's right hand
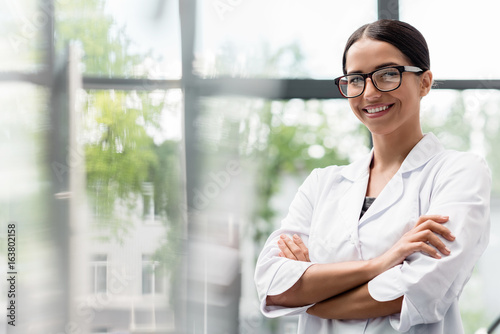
423	237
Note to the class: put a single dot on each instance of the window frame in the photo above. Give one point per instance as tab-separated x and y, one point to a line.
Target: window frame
195	87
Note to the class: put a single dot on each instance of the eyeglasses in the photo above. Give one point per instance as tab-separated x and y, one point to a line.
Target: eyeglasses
384	79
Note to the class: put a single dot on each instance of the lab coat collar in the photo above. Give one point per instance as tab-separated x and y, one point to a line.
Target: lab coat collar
425	149
358	169
358	173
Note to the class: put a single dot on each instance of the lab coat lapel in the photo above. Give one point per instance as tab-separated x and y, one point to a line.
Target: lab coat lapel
352	201
392	192
428	147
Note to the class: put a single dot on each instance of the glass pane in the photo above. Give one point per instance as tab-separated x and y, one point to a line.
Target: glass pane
469	121
23	24
284	38
147	278
139	39
255	153
101	279
133	156
466	121
34	267
461	46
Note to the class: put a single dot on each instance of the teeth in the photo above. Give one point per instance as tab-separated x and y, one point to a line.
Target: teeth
375	110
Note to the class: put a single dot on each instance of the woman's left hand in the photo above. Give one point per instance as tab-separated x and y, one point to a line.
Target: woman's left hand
293	249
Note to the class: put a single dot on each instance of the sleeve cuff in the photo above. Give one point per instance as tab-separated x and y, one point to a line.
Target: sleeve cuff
288	274
409	315
280	311
387	286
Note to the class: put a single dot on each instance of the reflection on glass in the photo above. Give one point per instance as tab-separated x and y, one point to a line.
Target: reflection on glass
23	23
255	154
458	50
134	181
24	201
466	121
292	39
469	121
139	39
258	152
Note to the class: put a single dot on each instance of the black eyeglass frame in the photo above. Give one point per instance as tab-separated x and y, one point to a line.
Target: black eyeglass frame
401	69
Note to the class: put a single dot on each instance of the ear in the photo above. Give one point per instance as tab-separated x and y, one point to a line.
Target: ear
425	83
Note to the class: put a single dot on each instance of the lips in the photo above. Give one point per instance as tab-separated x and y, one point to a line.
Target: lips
375	109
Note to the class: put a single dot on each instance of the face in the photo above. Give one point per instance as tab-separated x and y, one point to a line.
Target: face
386	112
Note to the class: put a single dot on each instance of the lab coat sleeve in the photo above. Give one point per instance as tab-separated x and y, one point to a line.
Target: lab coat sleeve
275	275
461	191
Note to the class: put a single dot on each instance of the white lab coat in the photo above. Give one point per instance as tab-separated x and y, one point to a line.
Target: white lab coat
325	214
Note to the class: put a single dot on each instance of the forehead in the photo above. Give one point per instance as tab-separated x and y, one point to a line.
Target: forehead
367	54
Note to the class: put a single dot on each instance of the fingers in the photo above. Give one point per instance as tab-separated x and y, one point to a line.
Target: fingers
293	249
427	241
298	241
431	239
437	218
426	236
436	227
427	249
285	251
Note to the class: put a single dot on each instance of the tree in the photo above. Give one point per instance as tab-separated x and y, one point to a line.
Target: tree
120	149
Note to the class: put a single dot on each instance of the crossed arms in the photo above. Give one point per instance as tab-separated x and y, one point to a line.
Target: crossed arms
340	290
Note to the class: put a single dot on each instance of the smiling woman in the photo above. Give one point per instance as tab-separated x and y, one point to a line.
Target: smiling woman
400	264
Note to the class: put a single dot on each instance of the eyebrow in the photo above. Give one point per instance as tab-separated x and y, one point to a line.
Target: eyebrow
377	67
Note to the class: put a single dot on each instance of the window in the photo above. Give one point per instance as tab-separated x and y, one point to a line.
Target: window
24	24
250	96
99	273
136	39
458	51
278	45
153	278
148	211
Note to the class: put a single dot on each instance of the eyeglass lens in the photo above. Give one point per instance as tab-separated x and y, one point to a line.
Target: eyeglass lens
385	79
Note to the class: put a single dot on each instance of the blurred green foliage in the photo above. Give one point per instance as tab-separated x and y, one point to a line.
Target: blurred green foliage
121	150
469	122
105	45
286	152
281	138
120	155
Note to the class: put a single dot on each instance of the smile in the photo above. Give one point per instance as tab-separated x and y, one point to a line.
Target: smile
372	110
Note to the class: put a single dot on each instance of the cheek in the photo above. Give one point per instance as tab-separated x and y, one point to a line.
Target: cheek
414	91
412	98
354	104
354	108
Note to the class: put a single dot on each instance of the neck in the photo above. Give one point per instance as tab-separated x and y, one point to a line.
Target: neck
390	150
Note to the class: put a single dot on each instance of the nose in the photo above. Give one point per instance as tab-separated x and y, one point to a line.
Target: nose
371	92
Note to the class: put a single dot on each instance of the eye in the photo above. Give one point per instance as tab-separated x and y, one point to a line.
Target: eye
355	80
389	74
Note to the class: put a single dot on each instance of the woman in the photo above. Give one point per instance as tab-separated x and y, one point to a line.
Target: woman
387	243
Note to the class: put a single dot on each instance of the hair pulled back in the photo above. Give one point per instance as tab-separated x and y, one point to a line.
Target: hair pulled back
402	35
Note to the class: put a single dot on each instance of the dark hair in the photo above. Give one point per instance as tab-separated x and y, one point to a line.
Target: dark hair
400	34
